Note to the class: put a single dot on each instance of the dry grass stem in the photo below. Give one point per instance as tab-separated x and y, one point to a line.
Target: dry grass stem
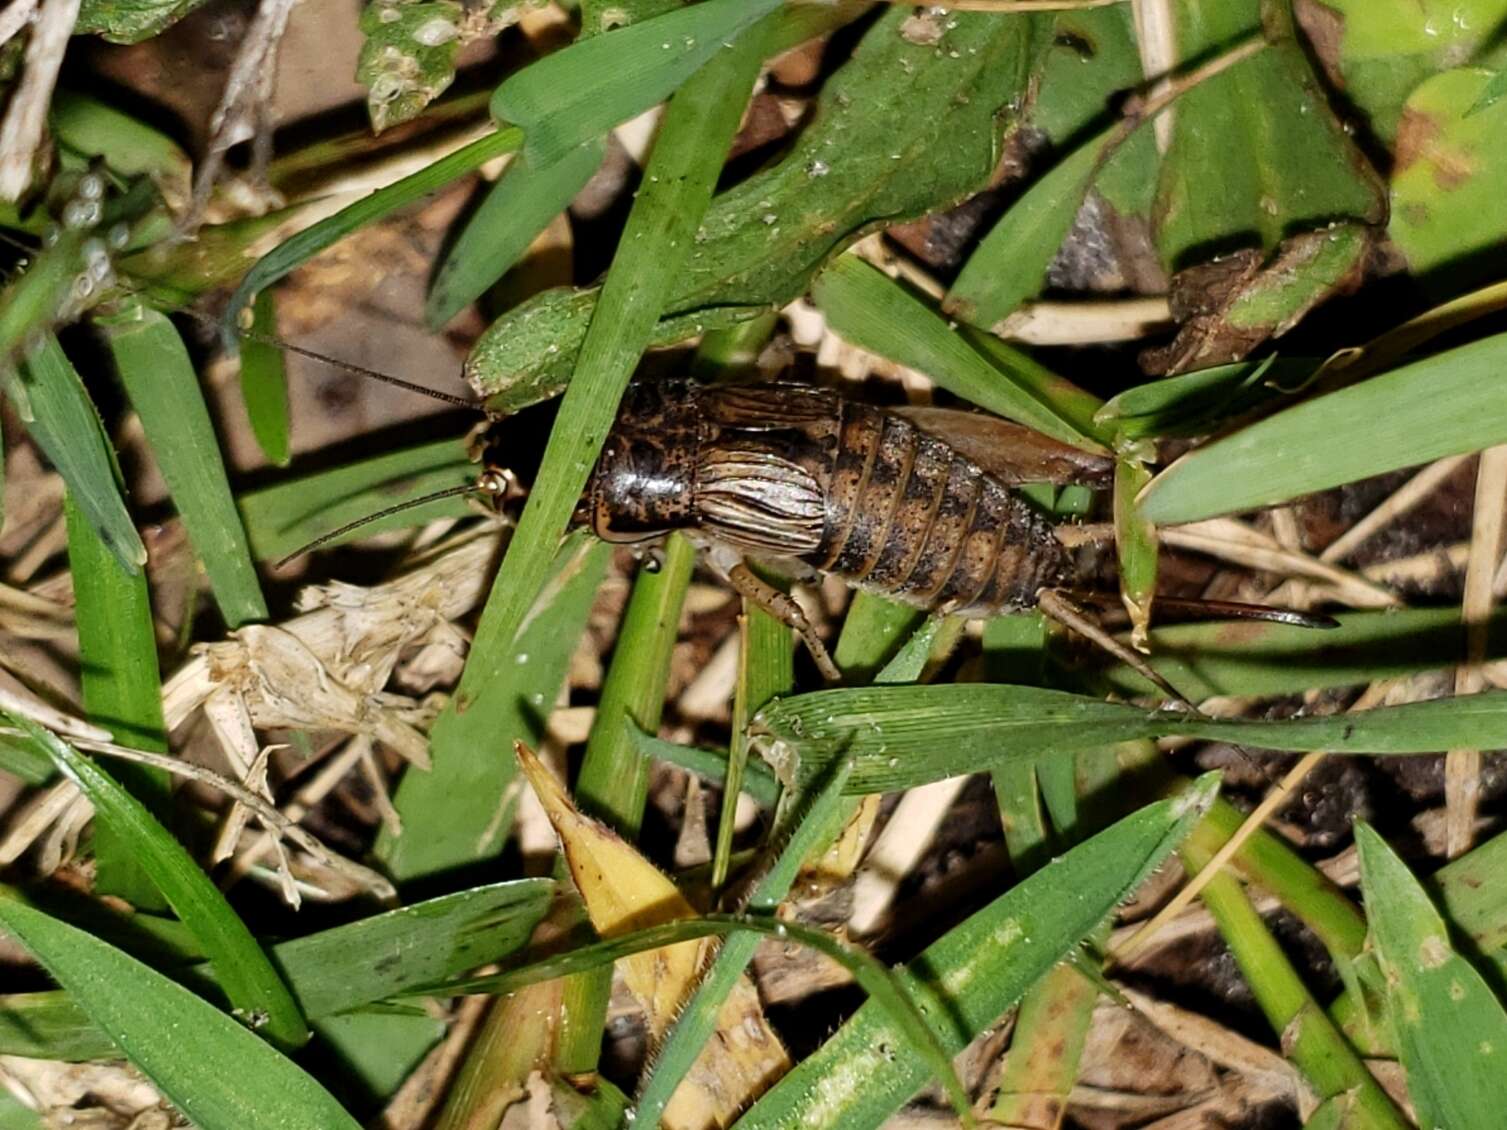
1462	767
898	849
1239	544
24	130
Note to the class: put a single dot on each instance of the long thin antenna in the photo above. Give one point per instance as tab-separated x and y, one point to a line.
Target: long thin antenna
325	539
361	370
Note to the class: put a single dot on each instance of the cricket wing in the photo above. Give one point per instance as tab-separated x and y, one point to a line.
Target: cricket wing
1011	452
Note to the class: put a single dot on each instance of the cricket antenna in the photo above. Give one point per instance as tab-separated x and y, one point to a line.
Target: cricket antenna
362	371
480	487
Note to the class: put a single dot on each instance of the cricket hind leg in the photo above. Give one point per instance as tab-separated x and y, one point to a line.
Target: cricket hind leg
783	607
1060	605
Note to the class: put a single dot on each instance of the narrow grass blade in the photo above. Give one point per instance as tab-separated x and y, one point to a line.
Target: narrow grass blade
711	764
159	378
220	1075
1136	546
122	691
32	303
901	737
579	93
1450	1025
61	419
264	382
241	966
516	209
331	972
281	518
1443	405
1010	263
873	311
976	971
461	811
299	249
678	182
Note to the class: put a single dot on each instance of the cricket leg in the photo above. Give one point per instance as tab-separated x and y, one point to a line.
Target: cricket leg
1057	605
782	607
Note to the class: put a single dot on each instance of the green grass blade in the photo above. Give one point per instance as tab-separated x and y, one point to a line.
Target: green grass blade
330	972
61	419
33	302
264	382
873	311
388	954
281	518
1443	405
299	249
159	378
576	95
1010	263
711	764
516	209
219	1074
901	737
976	971
461	811
241	967
682	170
122	691
1449	1024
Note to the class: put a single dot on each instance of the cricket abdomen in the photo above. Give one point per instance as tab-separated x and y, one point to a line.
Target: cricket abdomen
910	518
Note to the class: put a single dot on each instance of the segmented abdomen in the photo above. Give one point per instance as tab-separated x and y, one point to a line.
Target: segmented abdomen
912	519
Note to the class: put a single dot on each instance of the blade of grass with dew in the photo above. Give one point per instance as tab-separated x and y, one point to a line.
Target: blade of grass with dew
901	737
968	978
330	972
299	249
122	691
1447	404
1262	660
159	378
525	198
682	170
613	783
1310	1039
241	966
901	129
1449	1023
264	382
62	421
281	518
460	812
219	1074
873	311
579	93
